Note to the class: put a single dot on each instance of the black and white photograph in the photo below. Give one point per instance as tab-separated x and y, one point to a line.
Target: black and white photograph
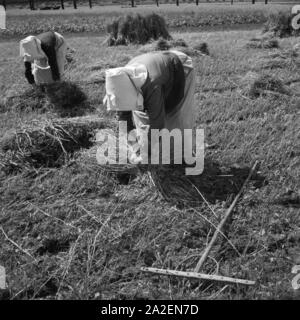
149	153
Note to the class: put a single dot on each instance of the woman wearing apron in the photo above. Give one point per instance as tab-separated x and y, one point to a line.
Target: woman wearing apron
44	57
168	94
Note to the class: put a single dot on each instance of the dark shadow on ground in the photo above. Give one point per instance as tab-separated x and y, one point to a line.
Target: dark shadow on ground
66	99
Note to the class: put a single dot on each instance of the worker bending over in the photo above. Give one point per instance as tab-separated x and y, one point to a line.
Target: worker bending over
153	91
44	57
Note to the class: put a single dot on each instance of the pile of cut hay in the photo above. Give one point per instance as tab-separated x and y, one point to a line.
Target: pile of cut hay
288	58
202	47
171	181
179	45
162	45
70	55
47	143
88	158
262	43
255	85
112	165
65	98
279	24
24	99
65	95
214	184
137	29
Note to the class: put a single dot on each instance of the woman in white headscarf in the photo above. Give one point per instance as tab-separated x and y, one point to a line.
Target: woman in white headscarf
167	92
44	57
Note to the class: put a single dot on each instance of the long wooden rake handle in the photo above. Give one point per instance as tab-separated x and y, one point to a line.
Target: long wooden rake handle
221	224
195	275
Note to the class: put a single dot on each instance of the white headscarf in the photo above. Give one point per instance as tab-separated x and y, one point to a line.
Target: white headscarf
30	49
123	87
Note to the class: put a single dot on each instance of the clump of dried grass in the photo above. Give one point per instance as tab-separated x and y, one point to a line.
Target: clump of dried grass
89	159
137	29
25	99
215	183
178	43
267	83
47	143
65	95
202	47
254	85
70	55
279	24
287	58
262	43
164	45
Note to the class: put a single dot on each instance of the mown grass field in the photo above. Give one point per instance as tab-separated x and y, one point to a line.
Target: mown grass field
83	235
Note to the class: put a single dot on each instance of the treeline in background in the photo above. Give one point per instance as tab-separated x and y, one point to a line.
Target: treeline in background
61	4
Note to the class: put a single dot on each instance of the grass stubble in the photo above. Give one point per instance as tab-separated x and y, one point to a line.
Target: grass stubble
76	231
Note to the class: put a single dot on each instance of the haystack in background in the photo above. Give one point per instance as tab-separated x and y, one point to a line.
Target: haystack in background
162	45
279	25
70	55
255	85
262	43
137	29
47	143
178	43
202	47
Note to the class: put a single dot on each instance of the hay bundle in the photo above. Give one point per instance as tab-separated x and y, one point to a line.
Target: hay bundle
65	98
70	55
262	43
65	95
276	63
163	45
88	158
47	143
279	24
137	29
215	183
24	99
255	85
288	58
178	43
201	47
192	52
291	53
113	154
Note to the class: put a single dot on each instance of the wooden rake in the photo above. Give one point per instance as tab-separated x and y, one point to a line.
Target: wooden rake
196	274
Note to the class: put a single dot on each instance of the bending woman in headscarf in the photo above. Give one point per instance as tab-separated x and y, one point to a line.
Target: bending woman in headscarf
167	88
45	50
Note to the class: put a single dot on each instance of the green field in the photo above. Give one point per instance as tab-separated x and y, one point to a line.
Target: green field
83	235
